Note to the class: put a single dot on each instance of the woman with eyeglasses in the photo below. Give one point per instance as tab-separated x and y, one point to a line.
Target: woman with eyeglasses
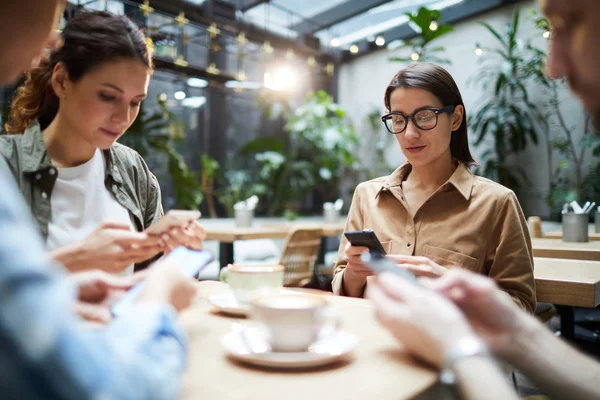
432	214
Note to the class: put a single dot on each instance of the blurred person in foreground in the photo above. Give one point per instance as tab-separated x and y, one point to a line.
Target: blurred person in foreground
46	350
457	321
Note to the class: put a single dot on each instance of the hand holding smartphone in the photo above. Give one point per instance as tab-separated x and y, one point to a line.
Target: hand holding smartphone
378	263
365	238
191	263
173	219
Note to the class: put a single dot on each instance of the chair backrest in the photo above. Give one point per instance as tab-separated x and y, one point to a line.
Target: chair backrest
300	255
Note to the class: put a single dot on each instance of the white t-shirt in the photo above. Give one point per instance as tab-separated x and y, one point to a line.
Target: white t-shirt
80	202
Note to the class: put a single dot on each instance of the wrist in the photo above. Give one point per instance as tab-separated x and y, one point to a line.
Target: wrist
69	256
353	284
464	348
523	341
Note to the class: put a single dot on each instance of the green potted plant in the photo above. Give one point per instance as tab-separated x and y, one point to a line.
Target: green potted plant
158	132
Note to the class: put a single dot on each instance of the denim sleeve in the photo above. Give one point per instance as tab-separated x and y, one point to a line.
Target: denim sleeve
47	352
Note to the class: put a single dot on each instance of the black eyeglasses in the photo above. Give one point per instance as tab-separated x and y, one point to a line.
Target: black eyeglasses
425	118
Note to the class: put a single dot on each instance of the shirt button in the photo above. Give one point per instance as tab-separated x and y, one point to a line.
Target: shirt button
38	176
408	244
44	195
52	171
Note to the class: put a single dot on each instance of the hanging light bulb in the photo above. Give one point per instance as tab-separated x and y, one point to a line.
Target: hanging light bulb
354	49
335	42
433	26
241	76
380	40
478	50
312	61
546	34
415	56
289	54
267	47
180	95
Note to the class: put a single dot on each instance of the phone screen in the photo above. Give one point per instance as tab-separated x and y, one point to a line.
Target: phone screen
365	238
190	261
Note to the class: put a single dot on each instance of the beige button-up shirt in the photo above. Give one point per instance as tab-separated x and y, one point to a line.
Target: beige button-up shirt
469	221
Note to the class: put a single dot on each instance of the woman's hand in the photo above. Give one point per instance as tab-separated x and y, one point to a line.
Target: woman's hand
112	247
420	266
97	291
191	236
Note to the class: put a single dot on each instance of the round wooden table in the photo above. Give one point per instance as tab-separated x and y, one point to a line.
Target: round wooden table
379	369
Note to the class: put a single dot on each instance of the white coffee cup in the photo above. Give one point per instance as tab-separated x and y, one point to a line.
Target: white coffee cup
246	280
292	321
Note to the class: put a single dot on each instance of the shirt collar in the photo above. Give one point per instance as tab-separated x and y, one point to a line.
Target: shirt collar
35	155
36	158
462	179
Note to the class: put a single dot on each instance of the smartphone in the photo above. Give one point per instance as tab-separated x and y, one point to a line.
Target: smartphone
365	238
190	261
173	219
378	263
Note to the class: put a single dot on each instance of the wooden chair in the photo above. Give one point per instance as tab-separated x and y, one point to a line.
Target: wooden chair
300	256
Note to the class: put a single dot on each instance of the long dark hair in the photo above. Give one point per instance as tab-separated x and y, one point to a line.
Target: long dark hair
439	82
90	39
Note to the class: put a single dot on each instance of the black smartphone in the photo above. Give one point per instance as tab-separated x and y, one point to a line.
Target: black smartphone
190	261
365	238
378	263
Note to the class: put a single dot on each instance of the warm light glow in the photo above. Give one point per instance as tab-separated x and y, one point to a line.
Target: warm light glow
335	42
354	49
546	34
414	56
282	78
434	25
478	51
163	97
380	40
180	95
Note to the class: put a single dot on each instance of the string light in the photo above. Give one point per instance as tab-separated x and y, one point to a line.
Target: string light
335	42
433	26
380	40
415	56
478	50
546	34
354	49
180	95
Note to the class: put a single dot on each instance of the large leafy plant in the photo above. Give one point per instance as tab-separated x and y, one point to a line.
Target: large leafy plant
568	181
506	114
158	132
303	164
425	24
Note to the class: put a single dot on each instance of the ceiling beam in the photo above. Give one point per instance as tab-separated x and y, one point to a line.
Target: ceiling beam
255	34
451	15
245	7
336	15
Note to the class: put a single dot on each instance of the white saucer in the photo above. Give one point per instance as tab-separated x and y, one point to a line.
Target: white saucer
227	303
335	347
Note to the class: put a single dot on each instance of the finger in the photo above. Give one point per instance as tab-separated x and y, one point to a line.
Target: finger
420	270
114	225
356	250
127	238
388	310
180	236
400	289
169	242
415	260
92	312
138	255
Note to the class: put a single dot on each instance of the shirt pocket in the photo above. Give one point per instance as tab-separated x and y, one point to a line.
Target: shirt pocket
387	246
449	258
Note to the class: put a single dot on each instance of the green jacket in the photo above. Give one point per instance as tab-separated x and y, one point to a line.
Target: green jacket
127	177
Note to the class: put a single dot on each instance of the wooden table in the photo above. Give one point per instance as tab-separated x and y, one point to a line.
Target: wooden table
225	232
567	284
380	368
558	234
556	248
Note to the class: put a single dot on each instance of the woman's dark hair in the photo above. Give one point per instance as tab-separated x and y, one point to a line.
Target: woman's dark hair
90	39
439	82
